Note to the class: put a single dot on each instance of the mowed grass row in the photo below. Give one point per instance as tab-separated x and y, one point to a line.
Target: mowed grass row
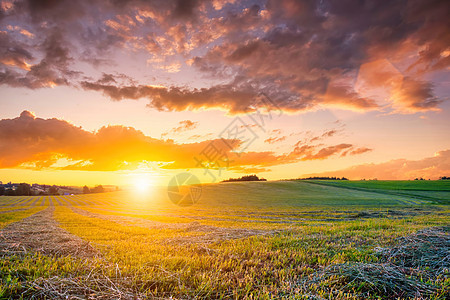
60	200
261	205
266	195
267	205
405	185
421	191
154	264
273	220
256	204
15	216
291	194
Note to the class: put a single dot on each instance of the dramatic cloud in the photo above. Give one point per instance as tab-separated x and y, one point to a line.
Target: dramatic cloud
415	95
405	93
28	141
179	99
429	168
303	54
31	142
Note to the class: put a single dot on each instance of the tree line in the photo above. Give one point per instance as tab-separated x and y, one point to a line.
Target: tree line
323	178
245	178
97	189
25	189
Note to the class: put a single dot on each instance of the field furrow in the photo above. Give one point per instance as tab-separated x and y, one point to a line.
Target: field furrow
41	233
27	201
11	217
203	233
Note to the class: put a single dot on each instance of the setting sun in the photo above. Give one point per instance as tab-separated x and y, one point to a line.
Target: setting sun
143	182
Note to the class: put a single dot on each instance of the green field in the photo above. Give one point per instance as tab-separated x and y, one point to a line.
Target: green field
242	240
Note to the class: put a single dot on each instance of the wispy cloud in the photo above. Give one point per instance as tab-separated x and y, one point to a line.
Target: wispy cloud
398	169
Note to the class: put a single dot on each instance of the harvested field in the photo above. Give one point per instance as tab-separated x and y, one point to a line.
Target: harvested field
236	243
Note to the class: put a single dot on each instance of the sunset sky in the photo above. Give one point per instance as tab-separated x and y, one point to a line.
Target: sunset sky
111	92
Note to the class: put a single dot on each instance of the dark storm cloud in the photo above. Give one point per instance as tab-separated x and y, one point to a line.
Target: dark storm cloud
306	53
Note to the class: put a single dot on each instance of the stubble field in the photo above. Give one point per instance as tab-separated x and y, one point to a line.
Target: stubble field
254	240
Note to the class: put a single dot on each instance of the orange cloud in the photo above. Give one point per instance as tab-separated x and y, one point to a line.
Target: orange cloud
326	152
343	97
185	125
359	151
407	95
31	142
415	96
274	140
430	167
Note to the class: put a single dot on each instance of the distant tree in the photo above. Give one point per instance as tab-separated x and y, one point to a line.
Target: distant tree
86	190
10	192
53	190
2	190
245	178
23	189
98	189
323	178
444	178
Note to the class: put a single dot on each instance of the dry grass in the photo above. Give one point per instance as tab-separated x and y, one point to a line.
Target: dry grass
93	286
41	233
405	271
207	234
427	251
254	250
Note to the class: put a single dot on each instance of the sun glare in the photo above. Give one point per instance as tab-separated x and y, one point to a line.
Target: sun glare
143	183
